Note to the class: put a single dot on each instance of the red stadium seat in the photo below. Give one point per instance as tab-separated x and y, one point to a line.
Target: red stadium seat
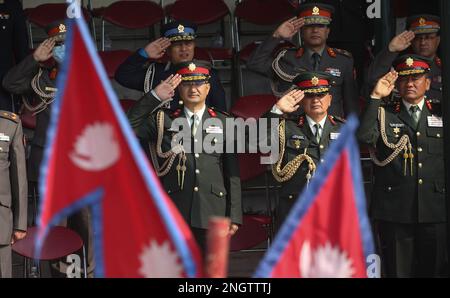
130	15
211	11
112	60
60	242
253	106
261	13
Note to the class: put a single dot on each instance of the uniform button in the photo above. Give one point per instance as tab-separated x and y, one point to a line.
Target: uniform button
220	194
196	189
420	165
197	155
418	134
419	149
322	160
180	102
291	196
1	149
389	188
321	147
438	135
195	140
197	171
420	181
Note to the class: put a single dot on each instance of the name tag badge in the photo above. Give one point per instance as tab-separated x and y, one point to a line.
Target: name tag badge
297	137
396	125
214	129
333	71
434	121
334	135
4	138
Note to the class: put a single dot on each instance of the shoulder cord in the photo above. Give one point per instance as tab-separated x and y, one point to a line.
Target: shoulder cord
276	67
46	98
404	144
169	156
149	77
285	174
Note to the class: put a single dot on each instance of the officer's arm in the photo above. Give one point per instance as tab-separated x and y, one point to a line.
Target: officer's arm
368	132
380	66
131	73
145	106
216	96
20	32
261	59
233	185
18	79
18	176
350	90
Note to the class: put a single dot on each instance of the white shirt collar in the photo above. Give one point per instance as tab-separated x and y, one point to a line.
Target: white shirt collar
408	105
311	123
199	113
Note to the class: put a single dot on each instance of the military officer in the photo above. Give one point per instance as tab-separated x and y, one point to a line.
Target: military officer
422	38
13	36
408	200
35	79
312	21
201	182
303	138
13	188
142	71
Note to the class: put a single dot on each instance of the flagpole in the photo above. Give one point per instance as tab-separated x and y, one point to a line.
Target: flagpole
445	48
218	240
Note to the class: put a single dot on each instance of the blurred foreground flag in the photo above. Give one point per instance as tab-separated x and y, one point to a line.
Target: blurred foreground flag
92	159
327	233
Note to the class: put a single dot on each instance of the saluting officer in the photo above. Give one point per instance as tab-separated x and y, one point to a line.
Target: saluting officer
142	71
303	138
201	181
408	203
35	79
422	38
13	188
313	22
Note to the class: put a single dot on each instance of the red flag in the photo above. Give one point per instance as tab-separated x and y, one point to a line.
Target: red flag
327	233
92	159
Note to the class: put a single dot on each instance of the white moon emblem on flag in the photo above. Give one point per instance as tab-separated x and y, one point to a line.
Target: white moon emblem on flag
96	149
159	261
324	262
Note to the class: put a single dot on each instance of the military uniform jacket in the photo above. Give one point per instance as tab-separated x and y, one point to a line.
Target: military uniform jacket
383	63
298	138
338	63
13	180
18	81
13	35
419	198
211	184
131	74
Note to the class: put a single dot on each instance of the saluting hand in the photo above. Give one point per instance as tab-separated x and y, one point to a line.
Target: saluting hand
157	48
290	102
44	50
385	85
289	28
166	89
401	42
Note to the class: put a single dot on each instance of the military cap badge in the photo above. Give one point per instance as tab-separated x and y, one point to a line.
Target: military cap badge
180	28
315	81
410	61
192	67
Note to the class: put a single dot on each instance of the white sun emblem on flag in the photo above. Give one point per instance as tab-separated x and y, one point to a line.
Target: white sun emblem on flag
324	262
159	261
96	149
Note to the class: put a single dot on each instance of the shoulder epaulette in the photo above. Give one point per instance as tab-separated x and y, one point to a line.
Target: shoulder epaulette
301	121
213	112
9	116
333	119
342	52
331	52
438	61
299	53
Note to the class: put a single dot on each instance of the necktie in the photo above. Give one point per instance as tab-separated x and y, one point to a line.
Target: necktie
193	125
317	134
316	60
415	114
